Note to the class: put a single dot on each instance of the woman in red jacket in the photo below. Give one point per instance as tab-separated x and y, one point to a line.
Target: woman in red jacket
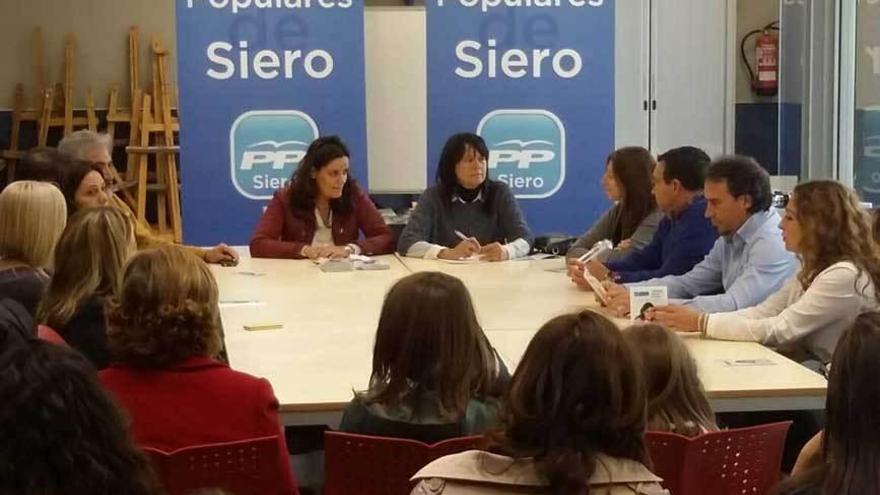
321	213
162	327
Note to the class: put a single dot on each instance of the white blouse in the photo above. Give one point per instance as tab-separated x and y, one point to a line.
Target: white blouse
816	318
323	233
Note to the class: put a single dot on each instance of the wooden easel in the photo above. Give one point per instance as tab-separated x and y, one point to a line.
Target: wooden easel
57	105
119	115
22	114
153	134
116	114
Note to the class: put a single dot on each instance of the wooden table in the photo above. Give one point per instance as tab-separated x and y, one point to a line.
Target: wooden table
324	350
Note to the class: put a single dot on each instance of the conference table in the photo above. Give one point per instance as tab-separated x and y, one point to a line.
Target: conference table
317	347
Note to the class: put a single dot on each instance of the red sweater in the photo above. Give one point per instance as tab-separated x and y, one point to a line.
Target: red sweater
197	402
283	232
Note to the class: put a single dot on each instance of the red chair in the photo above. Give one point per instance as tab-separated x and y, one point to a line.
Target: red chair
740	461
248	467
49	335
368	465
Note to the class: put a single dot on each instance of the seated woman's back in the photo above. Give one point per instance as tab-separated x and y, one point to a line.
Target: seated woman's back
62	434
88	260
32	217
434	376
573	421
676	399
197	401
849	450
163	332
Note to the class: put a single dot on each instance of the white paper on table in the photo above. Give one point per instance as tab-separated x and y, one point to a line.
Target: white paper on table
241	302
474	258
748	362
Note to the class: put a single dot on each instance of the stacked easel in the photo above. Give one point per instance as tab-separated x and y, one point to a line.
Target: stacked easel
52	106
153	142
151	145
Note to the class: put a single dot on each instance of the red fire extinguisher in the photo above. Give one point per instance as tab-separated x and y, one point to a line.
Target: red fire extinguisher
765	79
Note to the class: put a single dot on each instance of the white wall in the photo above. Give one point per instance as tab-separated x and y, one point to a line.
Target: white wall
101	29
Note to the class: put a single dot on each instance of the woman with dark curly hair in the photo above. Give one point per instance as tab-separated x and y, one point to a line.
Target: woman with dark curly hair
61	433
163	330
573	421
322	213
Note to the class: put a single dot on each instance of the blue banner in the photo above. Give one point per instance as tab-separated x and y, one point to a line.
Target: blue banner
535	78
259	80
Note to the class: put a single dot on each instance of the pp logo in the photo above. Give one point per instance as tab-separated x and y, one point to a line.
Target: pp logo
526	150
265	146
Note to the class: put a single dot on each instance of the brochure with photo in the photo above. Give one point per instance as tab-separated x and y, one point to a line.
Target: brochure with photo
641	299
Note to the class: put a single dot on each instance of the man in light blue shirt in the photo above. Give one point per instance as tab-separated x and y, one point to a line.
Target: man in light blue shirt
748	261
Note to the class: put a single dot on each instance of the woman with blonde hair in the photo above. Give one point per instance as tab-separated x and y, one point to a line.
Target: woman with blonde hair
164	332
839	278
88	262
676	399
32	216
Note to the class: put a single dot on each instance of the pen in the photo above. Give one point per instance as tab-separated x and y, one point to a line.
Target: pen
466	238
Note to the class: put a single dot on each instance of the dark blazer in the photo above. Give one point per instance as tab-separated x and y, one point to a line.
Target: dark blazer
359	418
283	232
25	285
198	401
87	332
678	245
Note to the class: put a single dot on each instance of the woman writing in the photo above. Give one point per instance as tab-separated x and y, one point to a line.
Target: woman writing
466	214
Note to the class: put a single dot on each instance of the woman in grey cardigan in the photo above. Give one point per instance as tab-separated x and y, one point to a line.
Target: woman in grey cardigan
630	223
466	213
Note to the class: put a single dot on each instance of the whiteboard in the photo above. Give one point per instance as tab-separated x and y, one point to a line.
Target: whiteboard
397	88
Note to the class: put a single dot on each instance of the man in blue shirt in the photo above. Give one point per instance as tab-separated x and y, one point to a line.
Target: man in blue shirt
747	263
683	237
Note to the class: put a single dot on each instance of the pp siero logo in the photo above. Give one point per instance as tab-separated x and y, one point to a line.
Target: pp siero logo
526	150
265	146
